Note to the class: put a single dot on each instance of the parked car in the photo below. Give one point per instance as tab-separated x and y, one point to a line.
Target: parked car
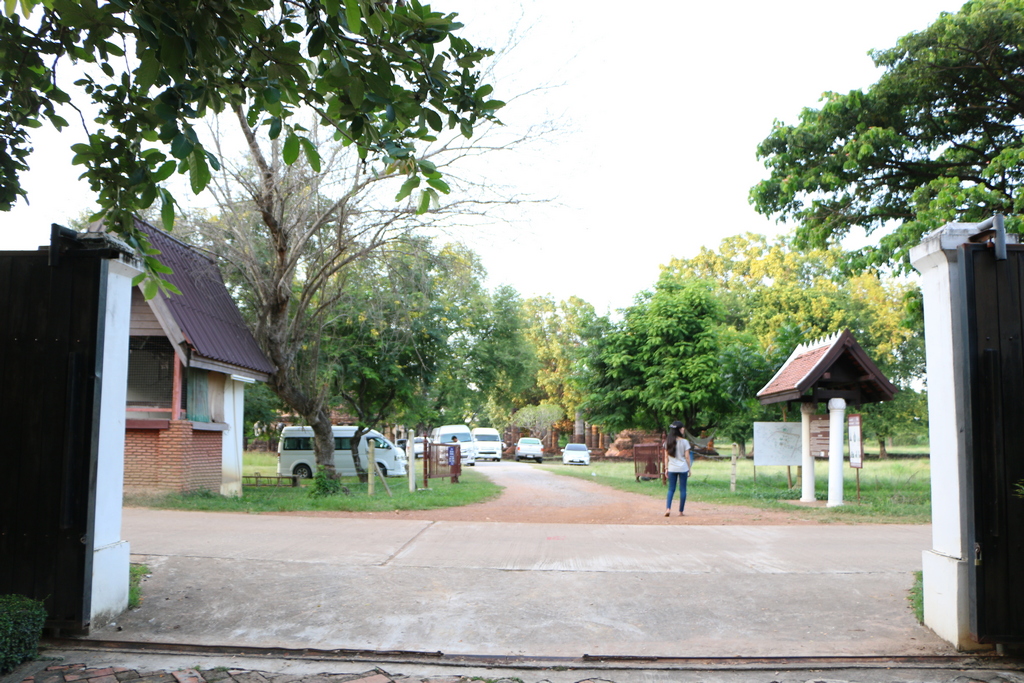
576	452
457	433
528	448
295	452
418	444
488	443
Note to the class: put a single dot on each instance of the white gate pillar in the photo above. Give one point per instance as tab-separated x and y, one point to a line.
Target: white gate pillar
807	478
836	421
946	589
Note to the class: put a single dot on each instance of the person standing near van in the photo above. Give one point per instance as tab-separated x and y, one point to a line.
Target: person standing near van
677	453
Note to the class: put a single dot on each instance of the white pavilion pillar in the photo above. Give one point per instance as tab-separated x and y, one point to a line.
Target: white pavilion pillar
836	422
807	479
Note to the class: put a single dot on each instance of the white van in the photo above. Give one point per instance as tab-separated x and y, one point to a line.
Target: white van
488	443
295	452
450	433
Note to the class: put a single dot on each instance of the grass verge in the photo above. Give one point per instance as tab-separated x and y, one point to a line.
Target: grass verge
473	488
135	574
916	597
892	492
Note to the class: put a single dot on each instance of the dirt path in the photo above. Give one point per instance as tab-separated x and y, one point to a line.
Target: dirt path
534	495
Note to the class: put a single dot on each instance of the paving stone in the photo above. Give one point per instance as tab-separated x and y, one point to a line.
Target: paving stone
249	677
188	676
375	678
281	678
107	678
126	675
217	675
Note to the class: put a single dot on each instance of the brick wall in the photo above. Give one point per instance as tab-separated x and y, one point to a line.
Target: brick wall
174	459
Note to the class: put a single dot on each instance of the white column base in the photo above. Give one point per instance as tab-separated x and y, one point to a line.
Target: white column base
109	583
947	600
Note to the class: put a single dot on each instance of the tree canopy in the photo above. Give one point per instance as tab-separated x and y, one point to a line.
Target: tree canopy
381	75
660	363
937	138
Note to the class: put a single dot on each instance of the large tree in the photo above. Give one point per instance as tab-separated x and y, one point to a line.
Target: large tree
937	138
661	363
381	75
559	333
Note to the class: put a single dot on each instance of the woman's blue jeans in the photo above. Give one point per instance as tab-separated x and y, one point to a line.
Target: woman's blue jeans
673	479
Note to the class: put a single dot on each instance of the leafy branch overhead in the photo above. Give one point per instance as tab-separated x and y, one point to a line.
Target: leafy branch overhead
384	76
937	138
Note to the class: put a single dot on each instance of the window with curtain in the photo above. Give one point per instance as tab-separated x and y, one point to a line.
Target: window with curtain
197	407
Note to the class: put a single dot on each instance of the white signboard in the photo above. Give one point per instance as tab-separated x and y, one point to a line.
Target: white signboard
856	445
777	443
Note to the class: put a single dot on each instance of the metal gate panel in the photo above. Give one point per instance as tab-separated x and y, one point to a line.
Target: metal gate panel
994	376
49	333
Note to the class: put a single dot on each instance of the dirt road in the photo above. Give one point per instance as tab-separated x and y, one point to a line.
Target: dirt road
534	495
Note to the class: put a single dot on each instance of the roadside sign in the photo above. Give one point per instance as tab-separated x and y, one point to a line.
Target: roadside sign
856	444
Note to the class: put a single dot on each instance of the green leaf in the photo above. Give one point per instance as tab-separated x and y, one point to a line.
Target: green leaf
424	203
332	7
407	187
433	119
312	155
181	146
466	127
275	128
164	172
316	42
352	15
138	279
439	184
147	71
149	289
198	172
290	152
356	90
375	23
167	209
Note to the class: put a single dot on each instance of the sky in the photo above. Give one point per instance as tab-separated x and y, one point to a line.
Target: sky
659	108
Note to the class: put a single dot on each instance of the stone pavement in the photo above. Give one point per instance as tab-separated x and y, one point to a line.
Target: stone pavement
182	667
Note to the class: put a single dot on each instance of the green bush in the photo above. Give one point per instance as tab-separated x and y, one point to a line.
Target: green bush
324	485
21	625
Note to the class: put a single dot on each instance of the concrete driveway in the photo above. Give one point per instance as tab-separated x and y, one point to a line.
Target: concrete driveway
559	590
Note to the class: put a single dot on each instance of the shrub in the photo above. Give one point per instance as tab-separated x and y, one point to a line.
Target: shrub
21	625
323	485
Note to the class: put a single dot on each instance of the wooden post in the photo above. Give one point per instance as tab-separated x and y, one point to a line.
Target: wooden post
732	477
371	456
176	389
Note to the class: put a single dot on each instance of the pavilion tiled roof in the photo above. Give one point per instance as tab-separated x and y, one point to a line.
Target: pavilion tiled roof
834	366
205	313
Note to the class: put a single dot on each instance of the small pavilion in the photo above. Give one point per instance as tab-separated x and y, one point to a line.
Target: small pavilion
834	370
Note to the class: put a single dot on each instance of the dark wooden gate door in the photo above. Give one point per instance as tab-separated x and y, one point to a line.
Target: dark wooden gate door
50	328
994	327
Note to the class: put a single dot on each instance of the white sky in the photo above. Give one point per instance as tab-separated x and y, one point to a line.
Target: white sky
662	105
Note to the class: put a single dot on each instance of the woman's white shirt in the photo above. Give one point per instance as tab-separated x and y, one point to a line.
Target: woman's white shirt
677	463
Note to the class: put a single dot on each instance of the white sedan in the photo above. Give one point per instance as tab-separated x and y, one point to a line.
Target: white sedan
576	452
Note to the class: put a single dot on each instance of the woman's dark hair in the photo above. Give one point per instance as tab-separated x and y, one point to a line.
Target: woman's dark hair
675	431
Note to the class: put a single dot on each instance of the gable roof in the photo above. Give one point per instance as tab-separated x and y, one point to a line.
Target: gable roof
204	315
834	367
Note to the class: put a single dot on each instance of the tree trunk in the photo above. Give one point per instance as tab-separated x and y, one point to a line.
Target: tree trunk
577	436
882	453
743	448
323	441
357	440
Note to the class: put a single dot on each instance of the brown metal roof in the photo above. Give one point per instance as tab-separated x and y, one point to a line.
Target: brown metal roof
834	367
205	312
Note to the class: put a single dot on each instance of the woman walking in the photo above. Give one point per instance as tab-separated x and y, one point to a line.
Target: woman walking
677	451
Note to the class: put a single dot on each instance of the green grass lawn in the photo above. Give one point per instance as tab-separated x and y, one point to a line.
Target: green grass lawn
472	488
892	491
